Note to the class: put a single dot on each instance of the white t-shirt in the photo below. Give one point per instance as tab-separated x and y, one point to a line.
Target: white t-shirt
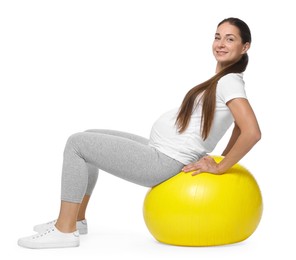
189	146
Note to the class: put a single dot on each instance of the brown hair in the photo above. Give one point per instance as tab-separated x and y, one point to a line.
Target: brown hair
207	89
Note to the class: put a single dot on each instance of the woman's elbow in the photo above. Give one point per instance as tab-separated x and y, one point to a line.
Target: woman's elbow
252	136
256	135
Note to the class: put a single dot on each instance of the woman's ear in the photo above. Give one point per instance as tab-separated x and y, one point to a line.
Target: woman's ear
246	47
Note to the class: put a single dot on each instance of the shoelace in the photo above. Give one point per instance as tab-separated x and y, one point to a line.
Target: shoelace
51	222
43	234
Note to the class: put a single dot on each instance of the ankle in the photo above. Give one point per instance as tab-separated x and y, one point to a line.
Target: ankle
80	218
65	227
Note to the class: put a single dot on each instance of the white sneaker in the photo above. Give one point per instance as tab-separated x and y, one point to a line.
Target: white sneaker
81	226
52	238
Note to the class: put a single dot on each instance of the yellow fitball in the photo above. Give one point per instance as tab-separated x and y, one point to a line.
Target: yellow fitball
204	210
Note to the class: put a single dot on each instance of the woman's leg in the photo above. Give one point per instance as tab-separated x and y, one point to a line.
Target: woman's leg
93	170
125	158
122	157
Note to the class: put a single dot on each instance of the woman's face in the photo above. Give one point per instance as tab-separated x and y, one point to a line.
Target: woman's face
227	46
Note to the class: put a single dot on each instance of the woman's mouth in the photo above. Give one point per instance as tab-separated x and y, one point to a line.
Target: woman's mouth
221	53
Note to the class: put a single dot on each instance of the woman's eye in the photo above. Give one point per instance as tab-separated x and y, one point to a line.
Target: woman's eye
230	39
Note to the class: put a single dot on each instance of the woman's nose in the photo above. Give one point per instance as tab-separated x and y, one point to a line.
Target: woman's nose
221	43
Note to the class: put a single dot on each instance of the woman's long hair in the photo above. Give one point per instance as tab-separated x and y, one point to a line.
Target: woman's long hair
207	90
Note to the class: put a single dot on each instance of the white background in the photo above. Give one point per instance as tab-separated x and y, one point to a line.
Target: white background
67	66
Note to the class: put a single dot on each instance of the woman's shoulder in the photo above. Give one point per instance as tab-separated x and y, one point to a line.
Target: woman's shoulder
232	77
230	86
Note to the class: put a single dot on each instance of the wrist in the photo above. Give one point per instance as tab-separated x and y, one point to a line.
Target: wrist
220	169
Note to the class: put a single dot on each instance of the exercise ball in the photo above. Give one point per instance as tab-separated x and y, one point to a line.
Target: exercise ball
204	210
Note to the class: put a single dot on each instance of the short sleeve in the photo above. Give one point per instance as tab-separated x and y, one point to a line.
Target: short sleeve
231	86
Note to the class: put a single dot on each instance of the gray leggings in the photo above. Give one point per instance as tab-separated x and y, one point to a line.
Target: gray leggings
122	154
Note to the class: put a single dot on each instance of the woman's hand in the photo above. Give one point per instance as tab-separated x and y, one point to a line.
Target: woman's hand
205	164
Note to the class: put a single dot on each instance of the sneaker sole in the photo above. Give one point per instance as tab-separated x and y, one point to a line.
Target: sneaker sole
48	245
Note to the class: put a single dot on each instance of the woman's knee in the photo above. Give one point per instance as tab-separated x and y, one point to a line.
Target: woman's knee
75	140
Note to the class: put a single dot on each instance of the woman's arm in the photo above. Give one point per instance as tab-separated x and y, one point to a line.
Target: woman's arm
245	135
235	134
248	129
